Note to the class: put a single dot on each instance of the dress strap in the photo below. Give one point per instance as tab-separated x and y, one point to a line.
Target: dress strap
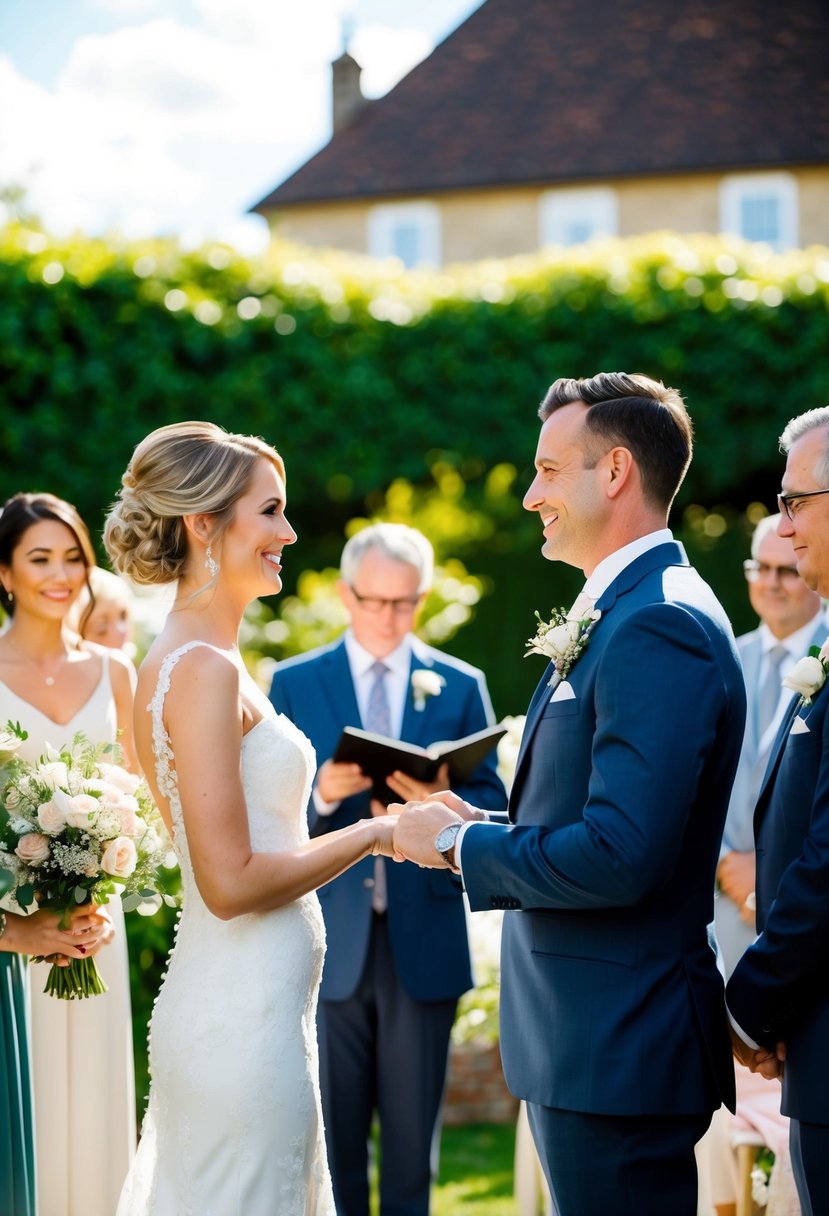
164	772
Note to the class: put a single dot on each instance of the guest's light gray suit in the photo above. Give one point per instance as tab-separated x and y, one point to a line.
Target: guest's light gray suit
733	934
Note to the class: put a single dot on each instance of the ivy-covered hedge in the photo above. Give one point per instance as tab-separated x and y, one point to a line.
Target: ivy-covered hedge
362	374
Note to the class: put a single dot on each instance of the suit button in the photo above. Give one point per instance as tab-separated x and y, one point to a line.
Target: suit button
368	883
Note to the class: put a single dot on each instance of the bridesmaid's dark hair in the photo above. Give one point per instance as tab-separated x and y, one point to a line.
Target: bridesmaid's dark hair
20	512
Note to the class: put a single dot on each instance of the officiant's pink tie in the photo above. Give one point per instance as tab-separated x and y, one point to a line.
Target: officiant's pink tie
378	720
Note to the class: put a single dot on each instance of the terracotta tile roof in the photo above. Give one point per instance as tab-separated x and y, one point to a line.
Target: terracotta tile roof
552	91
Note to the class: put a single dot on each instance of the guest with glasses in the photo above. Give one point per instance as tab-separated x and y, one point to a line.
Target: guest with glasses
790	621
778	997
397	957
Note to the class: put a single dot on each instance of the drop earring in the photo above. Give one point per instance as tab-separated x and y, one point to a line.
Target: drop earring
210	562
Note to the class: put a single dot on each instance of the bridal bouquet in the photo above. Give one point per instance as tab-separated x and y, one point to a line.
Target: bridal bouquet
75	828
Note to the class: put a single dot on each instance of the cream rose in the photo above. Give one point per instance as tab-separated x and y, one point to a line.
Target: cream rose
126	782
33	848
806	677
81	810
557	641
51	818
12	798
120	857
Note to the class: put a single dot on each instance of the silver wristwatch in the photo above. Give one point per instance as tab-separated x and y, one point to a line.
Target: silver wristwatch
445	844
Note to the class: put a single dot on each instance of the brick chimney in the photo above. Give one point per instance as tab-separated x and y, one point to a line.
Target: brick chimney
347	98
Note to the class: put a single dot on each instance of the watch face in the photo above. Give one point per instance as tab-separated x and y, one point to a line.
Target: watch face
446	837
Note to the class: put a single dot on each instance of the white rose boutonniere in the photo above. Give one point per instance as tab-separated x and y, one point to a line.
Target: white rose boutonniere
425	684
561	640
808	675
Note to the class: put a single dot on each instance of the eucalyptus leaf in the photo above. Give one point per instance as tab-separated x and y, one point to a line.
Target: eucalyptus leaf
26	895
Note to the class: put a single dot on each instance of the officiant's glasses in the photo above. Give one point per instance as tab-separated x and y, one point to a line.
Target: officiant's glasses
790	503
374	603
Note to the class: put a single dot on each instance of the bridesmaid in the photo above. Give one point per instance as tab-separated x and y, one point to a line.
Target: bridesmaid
19	936
55	685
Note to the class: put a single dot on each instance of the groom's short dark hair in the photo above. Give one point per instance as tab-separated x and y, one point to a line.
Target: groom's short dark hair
632	411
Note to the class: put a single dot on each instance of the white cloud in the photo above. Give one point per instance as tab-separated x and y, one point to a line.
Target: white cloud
162	126
387	54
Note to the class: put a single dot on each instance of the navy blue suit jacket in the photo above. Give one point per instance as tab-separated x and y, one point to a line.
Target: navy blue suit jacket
611	1001
780	987
426	920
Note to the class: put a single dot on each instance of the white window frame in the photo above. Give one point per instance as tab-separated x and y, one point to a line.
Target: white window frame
738	187
560	209
385	219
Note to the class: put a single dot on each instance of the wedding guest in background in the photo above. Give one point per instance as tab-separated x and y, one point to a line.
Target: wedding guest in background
106	616
791	620
20	935
778	995
612	1021
397	957
82	1063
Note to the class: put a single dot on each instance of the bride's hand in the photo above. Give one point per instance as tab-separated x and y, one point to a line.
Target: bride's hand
383	837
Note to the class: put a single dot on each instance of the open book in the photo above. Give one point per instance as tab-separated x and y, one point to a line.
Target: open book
378	756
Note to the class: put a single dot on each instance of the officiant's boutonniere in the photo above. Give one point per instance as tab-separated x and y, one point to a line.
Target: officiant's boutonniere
425	684
561	640
808	675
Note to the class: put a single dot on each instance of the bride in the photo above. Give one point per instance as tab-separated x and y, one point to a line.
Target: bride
233	1125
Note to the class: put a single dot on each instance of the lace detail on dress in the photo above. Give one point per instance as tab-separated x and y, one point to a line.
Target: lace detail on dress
234	1122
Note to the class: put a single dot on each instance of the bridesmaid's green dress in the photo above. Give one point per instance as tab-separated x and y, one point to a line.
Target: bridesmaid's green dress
17	1145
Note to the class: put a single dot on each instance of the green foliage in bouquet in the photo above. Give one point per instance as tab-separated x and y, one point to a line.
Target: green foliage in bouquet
75	828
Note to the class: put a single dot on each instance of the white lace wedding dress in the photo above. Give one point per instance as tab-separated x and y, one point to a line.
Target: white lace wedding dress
234	1124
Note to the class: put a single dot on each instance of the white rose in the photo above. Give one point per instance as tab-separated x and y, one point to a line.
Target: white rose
9	742
12	798
128	783
559	639
51	818
54	774
80	811
120	857
806	677
425	684
33	848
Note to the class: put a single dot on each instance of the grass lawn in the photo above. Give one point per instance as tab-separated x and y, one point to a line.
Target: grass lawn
475	1176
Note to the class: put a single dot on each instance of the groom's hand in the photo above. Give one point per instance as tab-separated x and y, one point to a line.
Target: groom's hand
462	808
417	826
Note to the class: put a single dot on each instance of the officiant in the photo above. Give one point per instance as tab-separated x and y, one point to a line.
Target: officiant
397	958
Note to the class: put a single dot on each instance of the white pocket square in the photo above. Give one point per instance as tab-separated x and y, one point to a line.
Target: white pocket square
563	692
799	727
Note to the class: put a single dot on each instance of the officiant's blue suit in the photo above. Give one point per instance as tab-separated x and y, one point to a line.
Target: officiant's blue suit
425	925
611	1001
779	990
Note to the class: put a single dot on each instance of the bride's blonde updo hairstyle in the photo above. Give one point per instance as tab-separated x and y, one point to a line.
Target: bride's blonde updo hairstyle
187	468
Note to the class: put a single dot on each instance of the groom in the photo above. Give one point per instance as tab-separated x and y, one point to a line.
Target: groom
613	1025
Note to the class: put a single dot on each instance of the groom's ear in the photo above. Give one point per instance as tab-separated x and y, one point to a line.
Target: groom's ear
621	467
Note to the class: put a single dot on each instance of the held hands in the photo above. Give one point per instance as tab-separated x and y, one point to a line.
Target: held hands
383	828
736	876
768	1064
39	934
418	823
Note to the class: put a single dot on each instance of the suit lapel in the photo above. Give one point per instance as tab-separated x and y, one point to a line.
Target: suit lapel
775	756
338	686
415	721
671	553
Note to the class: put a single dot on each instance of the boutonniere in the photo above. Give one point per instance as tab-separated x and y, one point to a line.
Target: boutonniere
808	675
425	684
561	640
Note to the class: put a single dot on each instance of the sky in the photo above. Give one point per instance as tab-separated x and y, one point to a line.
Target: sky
173	117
